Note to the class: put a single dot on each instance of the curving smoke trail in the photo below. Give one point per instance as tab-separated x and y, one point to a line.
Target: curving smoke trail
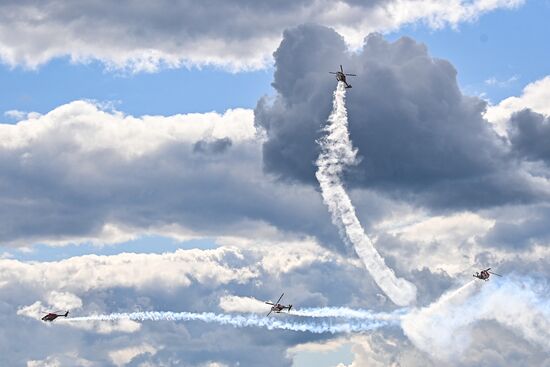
242	321
442	328
337	153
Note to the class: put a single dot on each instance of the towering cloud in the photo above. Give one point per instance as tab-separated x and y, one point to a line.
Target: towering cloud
417	135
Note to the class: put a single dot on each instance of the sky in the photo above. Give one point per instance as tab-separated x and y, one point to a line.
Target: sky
169	157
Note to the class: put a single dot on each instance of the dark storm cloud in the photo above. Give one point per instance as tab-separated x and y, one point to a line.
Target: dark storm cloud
415	131
530	135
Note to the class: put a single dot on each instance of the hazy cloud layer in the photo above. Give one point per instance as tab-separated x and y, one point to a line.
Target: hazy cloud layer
232	34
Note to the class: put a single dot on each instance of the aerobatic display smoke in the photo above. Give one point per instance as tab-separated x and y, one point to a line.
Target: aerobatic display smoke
250	305
443	328
337	153
349	313
269	323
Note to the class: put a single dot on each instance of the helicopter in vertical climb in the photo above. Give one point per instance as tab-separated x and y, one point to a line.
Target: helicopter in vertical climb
341	76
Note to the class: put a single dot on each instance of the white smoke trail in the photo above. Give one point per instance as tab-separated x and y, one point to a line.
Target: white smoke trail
269	323
238	304
348	313
336	153
443	328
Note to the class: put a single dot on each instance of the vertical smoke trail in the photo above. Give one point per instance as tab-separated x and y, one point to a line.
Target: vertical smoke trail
242	321
336	153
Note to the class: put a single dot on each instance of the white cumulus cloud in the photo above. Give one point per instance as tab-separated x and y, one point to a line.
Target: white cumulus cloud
534	96
144	36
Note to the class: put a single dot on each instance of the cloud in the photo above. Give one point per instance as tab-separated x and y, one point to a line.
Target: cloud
534	96
386	350
530	134
494	82
222	266
173	281
81	173
122	357
212	280
232	303
15	114
233	35
443	328
452	228
134	136
57	302
61	360
212	147
64	300
214	364
445	244
417	135
525	229
87	272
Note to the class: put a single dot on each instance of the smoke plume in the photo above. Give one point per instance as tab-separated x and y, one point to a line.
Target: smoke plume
269	323
443	328
349	313
337	153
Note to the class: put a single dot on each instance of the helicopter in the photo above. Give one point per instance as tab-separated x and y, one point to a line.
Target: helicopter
341	76
277	307
485	274
54	315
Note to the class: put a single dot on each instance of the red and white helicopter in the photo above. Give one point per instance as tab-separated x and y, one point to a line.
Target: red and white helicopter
54	315
485	274
277	307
